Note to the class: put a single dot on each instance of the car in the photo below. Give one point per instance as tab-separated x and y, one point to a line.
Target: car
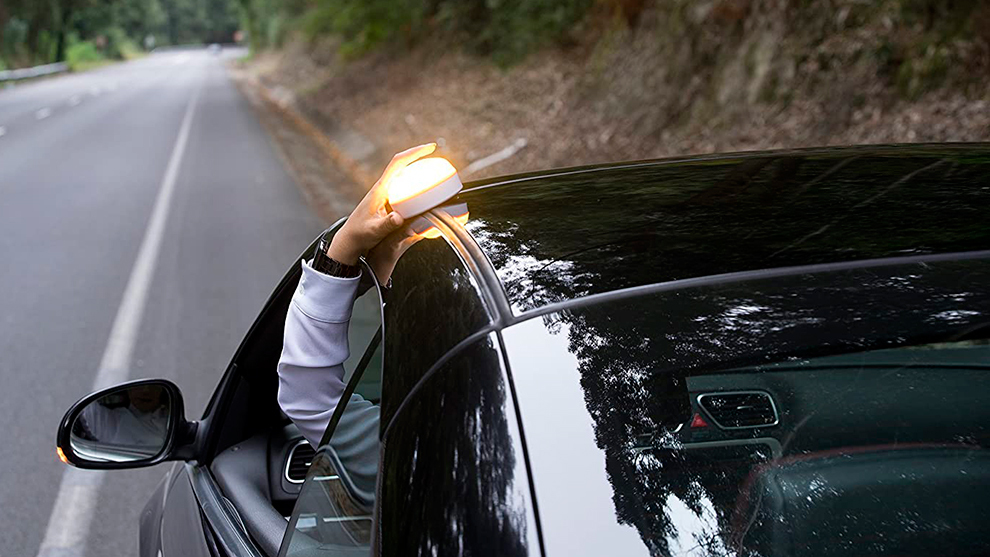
776	353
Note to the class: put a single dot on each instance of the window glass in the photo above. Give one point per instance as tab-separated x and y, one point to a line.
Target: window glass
831	413
366	322
454	476
434	303
333	513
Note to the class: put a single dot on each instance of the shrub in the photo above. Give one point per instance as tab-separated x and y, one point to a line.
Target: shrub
81	55
119	45
507	30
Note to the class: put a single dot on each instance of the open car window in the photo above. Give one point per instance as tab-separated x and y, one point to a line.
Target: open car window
333	515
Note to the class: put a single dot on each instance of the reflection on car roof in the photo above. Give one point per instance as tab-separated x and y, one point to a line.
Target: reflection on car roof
564	236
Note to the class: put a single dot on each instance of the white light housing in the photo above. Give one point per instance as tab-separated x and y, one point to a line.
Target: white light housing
422	186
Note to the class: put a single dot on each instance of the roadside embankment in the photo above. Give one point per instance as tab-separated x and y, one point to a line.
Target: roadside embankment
683	78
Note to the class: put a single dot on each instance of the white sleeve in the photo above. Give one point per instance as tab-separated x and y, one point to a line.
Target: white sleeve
314	348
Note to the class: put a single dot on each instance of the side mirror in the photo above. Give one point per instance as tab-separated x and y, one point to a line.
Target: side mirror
135	424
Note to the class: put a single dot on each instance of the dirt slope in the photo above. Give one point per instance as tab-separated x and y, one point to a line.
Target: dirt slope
685	77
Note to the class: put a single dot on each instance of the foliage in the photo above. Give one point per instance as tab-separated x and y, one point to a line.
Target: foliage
82	55
264	20
506	30
38	32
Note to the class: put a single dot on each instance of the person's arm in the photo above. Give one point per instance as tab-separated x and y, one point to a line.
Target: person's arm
314	346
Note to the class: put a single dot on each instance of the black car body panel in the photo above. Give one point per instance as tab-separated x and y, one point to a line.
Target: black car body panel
481	496
150	532
444	297
182	526
570	234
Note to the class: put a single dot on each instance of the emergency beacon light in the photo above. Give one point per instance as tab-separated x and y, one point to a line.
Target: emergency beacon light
422	186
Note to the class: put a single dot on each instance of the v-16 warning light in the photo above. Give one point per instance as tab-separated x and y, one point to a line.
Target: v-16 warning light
422	186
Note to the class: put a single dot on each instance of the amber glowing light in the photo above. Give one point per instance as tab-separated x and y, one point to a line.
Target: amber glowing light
61	455
422	186
458	212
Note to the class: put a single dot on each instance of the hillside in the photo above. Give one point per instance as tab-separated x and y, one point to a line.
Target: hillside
639	80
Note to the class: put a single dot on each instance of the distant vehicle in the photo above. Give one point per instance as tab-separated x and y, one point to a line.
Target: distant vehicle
215	49
780	353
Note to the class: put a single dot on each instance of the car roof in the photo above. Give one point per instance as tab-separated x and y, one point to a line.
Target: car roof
566	235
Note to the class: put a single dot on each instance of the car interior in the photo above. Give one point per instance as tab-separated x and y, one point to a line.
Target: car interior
882	453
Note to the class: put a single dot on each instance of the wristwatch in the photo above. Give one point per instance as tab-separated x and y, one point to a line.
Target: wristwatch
330	266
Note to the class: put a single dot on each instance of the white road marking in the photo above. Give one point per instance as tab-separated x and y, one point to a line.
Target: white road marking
43	113
3	131
74	100
75	504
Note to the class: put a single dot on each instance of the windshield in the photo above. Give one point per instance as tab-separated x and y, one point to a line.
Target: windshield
843	413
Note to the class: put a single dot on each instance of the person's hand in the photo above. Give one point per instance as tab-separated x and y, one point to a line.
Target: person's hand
370	223
383	257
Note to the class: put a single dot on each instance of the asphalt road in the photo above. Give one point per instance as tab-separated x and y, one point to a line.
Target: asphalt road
82	160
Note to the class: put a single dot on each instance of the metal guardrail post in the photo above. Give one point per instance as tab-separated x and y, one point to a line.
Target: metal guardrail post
37	71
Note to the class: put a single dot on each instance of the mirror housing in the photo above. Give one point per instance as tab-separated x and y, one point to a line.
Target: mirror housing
169	416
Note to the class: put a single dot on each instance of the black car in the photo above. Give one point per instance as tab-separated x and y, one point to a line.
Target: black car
778	353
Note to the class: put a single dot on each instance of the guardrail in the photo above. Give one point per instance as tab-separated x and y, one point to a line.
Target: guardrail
37	71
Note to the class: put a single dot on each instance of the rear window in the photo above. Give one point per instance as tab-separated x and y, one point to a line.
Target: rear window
843	413
558	238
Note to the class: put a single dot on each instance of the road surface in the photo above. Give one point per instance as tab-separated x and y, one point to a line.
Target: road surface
83	159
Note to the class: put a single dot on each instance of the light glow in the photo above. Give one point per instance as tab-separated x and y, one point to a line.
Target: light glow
61	455
431	234
458	212
418	177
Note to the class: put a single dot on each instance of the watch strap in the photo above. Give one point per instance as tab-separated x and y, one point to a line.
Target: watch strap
330	266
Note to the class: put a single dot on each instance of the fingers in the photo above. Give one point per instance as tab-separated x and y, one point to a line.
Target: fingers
400	161
409	155
386	254
387	225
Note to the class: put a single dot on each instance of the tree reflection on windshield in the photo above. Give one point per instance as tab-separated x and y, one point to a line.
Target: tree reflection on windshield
684	496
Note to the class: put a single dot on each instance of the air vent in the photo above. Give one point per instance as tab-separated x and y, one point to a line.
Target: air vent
740	410
300	457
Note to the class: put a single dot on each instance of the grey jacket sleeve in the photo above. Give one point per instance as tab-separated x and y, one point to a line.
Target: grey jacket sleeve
314	348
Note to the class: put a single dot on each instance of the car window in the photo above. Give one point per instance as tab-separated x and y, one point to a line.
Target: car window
454	476
364	327
333	513
830	413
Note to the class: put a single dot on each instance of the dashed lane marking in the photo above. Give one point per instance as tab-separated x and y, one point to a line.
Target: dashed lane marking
43	113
